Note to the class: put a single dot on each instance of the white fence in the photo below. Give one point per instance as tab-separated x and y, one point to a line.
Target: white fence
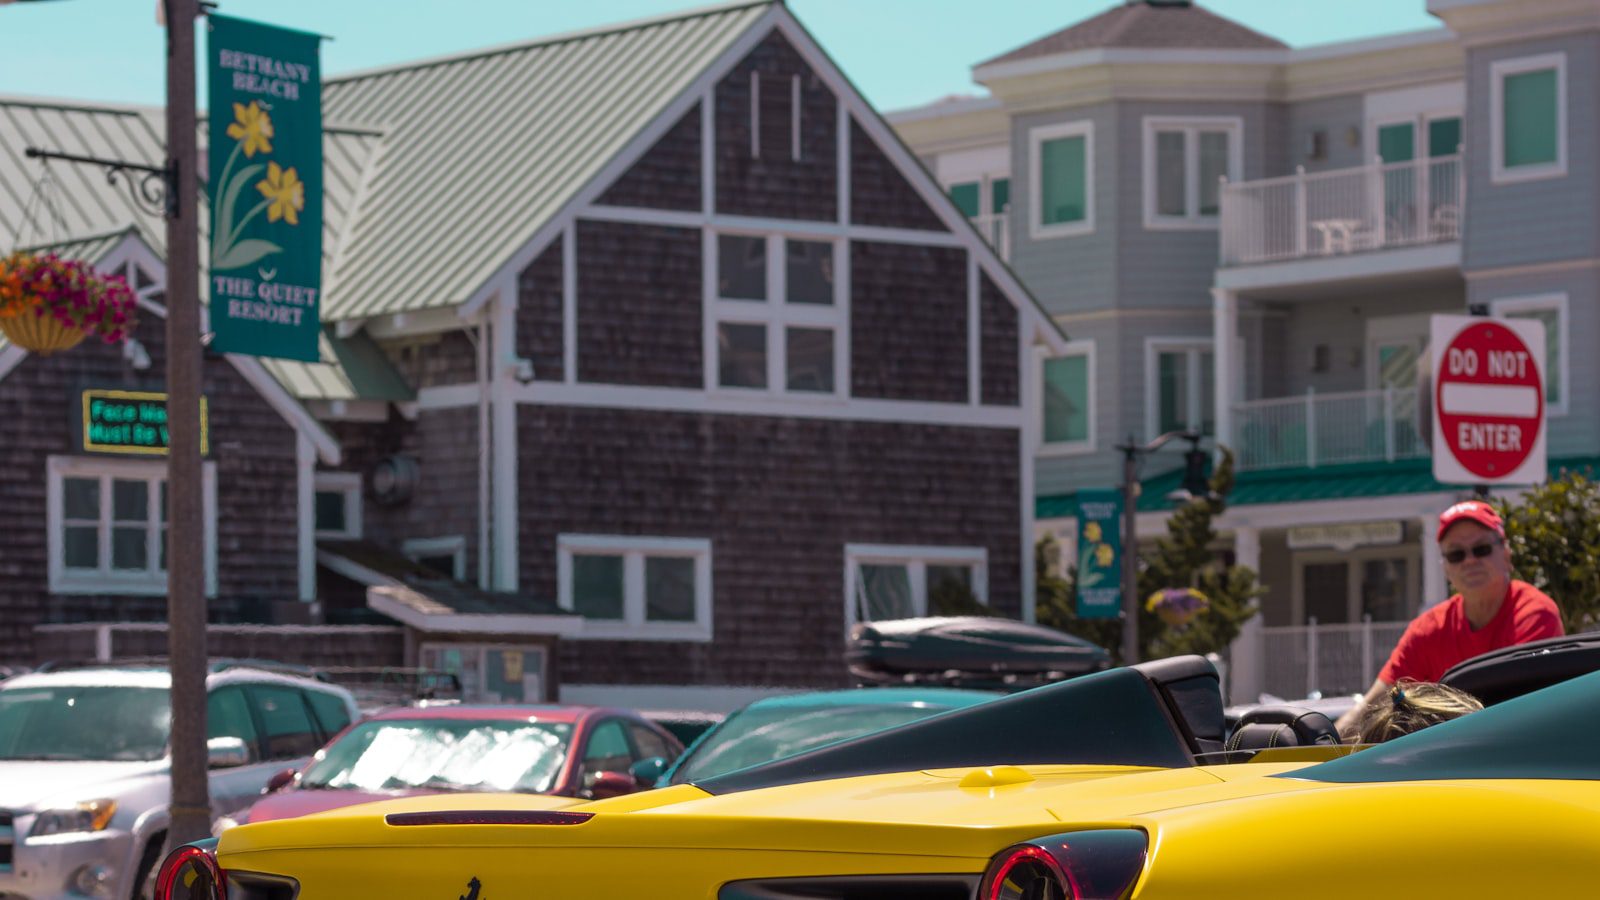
1332	659
1342	211
1323	429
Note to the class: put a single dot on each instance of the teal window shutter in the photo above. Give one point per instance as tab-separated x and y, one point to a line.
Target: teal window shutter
1444	137
1000	192
1063	176
1066	399
966	197
1397	143
1529	124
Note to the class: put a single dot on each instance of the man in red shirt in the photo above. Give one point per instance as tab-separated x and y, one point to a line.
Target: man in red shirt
1492	611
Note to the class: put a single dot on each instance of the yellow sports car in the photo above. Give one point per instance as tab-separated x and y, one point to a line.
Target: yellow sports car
1113	785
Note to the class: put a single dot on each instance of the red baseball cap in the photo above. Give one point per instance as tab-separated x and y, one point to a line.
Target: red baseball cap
1471	511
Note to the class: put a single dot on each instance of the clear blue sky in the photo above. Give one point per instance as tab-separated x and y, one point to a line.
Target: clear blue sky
899	52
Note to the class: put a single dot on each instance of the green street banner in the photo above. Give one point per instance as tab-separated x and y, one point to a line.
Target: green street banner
265	186
1099	553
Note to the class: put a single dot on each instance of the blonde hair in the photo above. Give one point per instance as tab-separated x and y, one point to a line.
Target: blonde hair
1412	706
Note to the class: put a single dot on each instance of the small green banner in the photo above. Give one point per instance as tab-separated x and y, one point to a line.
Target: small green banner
265	186
1099	553
115	421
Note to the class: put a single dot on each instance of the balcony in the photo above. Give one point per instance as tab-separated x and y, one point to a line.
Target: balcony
1341	212
1325	429
995	230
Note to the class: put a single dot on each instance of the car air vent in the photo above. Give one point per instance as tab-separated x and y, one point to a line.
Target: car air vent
854	887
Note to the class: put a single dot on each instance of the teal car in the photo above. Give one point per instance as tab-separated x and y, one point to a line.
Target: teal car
778	727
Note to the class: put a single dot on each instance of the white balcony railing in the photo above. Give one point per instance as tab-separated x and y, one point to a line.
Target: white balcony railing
1340	658
1323	429
994	229
1371	207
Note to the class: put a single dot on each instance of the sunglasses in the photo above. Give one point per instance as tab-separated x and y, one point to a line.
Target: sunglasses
1478	550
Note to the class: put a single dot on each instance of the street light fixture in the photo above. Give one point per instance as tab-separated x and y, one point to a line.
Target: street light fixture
1195	484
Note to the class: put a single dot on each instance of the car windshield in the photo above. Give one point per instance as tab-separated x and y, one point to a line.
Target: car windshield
762	735
444	754
84	723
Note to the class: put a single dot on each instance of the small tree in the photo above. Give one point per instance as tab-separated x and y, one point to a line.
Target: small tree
1554	538
1182	558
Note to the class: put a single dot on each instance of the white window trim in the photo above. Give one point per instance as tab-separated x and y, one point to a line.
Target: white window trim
916	559
1037	230
1190	126
633	550
1557	301
106	581
1068	448
1419	122
454	546
777	314
1498	70
1154	347
348	484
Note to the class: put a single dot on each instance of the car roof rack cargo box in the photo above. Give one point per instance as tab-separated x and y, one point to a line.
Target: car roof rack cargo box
1500	675
968	651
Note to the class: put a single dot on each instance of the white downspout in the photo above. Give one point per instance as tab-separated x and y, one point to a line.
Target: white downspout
485	457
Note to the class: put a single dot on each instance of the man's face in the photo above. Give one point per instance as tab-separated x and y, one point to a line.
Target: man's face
1473	572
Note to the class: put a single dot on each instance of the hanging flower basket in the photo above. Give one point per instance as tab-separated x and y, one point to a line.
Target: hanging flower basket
1177	607
49	304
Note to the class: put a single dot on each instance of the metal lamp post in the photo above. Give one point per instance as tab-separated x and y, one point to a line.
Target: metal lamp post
1194	485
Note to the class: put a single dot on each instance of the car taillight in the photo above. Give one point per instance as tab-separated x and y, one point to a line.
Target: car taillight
191	873
1078	865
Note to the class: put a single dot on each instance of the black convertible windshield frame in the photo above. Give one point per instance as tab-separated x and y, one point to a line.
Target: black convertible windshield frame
1552	733
1117	717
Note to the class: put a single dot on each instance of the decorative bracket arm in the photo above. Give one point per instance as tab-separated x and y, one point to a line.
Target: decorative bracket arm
153	188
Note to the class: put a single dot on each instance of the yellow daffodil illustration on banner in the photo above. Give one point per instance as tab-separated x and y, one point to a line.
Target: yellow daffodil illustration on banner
286	196
252	128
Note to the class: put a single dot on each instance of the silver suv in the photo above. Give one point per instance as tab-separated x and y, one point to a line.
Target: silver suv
84	767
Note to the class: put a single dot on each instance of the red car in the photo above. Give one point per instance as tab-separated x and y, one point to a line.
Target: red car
583	752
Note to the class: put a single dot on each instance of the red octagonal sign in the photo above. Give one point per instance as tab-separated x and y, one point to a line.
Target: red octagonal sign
1488	400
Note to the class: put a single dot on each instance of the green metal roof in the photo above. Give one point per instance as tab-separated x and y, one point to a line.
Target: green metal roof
436	217
352	368
1300	485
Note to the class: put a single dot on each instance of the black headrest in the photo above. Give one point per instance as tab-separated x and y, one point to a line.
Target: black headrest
1282	726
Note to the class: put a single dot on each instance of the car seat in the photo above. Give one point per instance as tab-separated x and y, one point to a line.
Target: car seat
1282	726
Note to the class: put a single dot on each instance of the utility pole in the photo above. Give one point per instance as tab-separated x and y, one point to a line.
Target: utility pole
1194	485
186	596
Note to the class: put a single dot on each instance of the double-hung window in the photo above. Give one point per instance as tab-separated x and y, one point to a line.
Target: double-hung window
778	321
1184	162
1551	309
1180	386
1528	117
889	582
1067	400
641	588
1061	172
107	521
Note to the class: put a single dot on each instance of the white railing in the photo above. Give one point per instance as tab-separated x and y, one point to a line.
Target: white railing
1331	659
1323	429
993	228
1342	211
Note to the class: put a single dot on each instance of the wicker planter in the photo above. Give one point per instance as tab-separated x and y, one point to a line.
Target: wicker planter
40	334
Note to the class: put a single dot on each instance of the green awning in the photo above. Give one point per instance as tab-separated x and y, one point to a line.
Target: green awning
1297	485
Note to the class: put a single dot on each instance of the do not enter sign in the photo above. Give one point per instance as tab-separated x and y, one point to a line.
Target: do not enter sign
1488	400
